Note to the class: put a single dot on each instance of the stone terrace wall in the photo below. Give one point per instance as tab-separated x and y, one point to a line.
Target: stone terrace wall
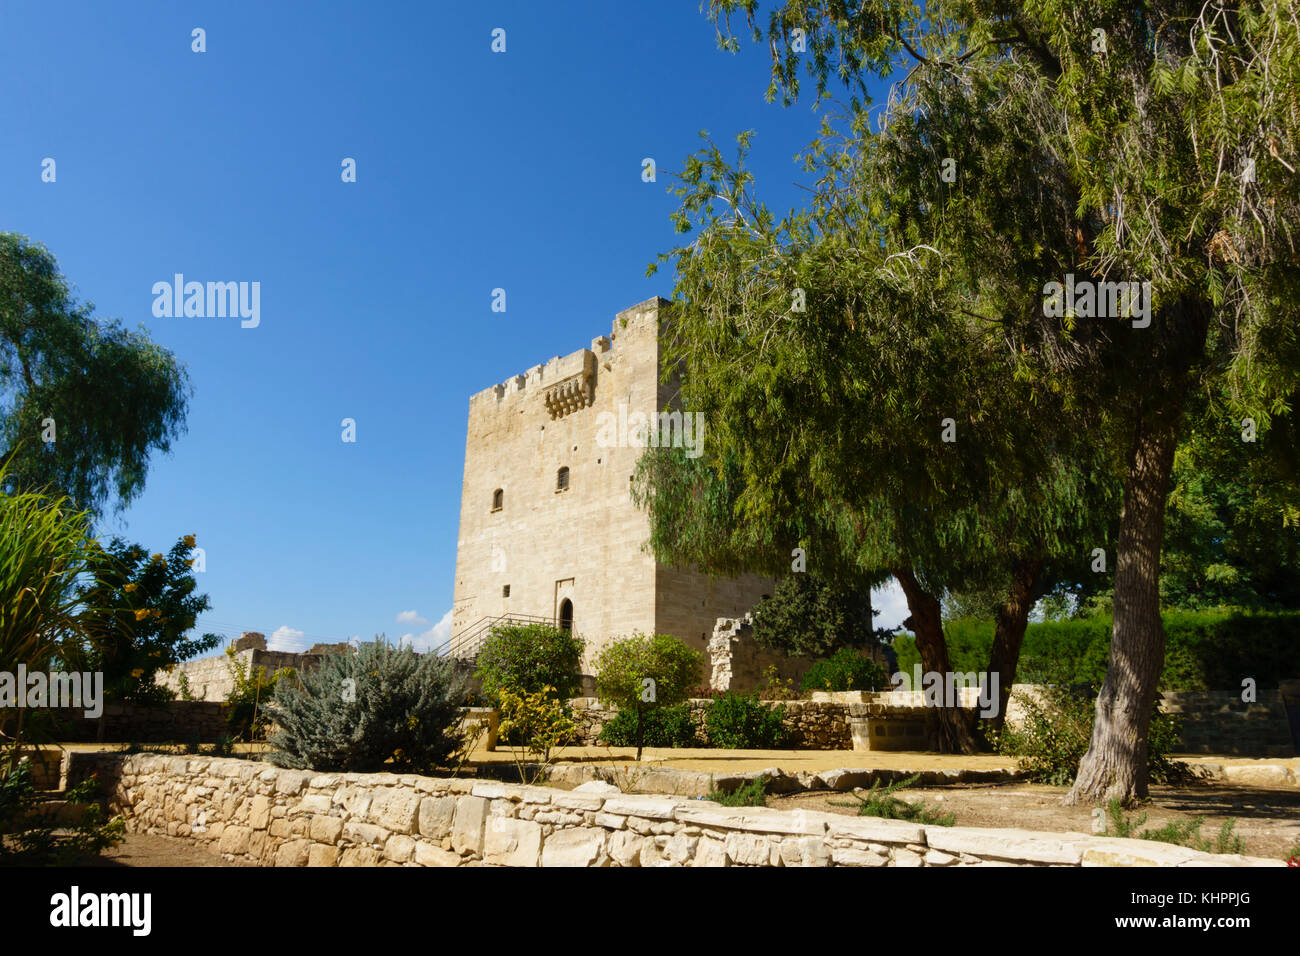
812	725
1219	722
178	721
256	812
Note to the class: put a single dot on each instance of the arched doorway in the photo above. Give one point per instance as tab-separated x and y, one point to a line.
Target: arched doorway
566	615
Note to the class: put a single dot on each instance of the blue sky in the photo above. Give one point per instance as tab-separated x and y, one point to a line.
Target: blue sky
475	170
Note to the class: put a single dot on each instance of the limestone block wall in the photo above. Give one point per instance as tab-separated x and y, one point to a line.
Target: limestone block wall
544	545
271	816
1221	722
811	725
1216	722
178	721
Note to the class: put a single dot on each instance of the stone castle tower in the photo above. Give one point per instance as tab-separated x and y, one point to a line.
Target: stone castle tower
548	528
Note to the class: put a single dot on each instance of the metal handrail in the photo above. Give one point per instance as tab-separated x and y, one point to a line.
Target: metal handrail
474	636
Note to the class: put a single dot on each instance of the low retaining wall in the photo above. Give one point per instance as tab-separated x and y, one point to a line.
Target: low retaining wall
178	721
809	724
1220	722
267	815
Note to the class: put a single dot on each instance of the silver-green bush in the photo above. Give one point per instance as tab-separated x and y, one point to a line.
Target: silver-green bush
359	710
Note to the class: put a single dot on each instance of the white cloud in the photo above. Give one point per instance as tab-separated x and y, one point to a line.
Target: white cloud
891	603
433	638
286	638
411	617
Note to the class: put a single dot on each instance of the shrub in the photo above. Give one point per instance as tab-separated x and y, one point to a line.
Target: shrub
541	723
743	722
662	727
752	794
528	657
775	688
878	802
45	549
32	835
1057	730
358	710
642	673
246	715
846	669
1178	832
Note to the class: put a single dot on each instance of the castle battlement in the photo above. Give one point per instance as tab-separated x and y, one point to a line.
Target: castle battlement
555	372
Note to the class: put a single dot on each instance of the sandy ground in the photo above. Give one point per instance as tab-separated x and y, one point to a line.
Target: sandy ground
1267	819
144	849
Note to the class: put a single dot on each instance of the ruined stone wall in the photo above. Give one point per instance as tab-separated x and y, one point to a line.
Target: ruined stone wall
271	816
739	663
210	678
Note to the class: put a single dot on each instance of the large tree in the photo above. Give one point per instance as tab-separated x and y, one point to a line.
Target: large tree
1091	142
83	402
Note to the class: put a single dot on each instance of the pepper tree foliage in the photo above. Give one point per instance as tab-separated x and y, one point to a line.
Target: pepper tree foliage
142	607
111	396
827	424
1233	536
1151	141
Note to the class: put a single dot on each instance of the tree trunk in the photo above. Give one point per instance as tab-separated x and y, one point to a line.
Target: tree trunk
1115	765
951	728
639	737
1009	632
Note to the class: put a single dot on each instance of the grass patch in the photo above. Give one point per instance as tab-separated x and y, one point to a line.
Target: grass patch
878	802
752	794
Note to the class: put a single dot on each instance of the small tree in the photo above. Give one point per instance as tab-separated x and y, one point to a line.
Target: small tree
143	607
642	672
810	615
251	690
528	657
358	710
541	723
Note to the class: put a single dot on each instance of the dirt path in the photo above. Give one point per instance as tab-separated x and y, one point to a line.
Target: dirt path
144	849
1267	819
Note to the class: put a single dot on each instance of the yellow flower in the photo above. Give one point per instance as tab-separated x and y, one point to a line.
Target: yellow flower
155	558
131	587
137	672
188	540
142	614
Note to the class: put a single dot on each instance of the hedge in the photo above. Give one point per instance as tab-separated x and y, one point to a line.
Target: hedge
1204	650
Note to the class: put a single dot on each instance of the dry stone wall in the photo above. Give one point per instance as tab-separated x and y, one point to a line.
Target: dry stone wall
178	721
812	725
272	816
